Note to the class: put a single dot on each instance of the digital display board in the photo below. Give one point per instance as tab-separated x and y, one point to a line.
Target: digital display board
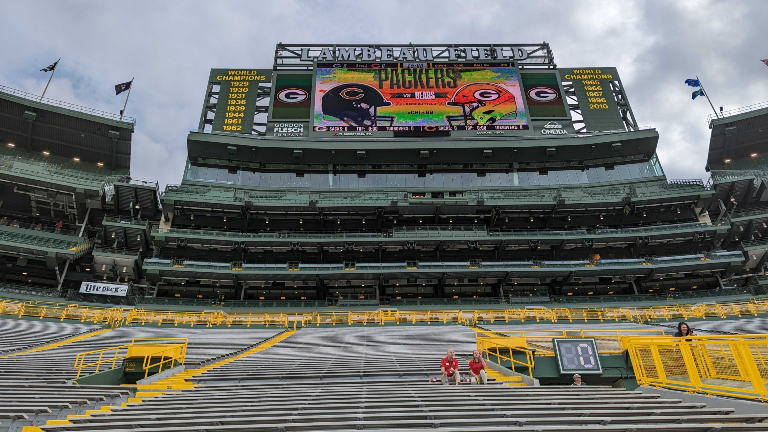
577	356
418	97
598	106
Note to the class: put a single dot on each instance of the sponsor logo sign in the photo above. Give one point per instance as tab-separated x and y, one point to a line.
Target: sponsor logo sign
289	129
104	289
553	128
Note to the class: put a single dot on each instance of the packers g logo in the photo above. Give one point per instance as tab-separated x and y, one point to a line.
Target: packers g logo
543	94
292	95
486	95
352	93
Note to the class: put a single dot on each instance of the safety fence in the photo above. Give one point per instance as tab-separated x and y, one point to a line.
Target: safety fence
735	366
117	316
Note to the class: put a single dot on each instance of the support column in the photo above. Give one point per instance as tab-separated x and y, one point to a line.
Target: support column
66	266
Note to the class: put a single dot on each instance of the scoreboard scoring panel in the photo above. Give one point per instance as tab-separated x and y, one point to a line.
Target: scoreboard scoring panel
577	356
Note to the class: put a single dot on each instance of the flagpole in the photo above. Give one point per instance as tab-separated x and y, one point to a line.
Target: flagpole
49	79
122	113
709	100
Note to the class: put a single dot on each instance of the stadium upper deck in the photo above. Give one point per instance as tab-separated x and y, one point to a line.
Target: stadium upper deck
386	180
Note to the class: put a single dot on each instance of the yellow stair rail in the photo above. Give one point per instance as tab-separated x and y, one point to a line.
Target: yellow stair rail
502	348
735	366
57	344
166	352
178	381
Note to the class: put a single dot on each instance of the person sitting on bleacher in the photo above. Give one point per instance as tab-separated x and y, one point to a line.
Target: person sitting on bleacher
477	368
449	365
577	381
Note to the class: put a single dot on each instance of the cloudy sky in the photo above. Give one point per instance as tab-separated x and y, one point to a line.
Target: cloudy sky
170	46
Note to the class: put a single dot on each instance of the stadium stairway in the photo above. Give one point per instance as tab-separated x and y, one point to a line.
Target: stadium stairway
35	387
18	336
378	379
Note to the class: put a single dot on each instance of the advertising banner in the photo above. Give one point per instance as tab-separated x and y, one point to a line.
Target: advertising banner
422	97
104	289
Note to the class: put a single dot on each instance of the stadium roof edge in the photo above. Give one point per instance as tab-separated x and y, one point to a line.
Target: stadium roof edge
66	108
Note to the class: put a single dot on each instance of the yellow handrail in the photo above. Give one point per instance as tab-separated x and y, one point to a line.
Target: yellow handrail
115	317
735	366
171	346
490	344
607	341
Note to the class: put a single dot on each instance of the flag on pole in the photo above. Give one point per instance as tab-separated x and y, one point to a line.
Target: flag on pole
698	92
119	88
765	61
50	68
693	82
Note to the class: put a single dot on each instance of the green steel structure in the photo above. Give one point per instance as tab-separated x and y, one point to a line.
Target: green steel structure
334	178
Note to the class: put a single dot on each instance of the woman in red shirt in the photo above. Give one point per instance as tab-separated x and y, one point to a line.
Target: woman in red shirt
477	368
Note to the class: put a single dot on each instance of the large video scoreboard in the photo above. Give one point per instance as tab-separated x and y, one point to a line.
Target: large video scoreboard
415	92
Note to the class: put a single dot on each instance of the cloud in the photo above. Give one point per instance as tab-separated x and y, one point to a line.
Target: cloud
170	46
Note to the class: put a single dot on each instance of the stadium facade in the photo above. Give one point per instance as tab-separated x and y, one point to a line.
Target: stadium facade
383	175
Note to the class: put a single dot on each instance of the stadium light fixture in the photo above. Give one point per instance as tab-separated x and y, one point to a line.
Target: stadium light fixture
24	273
76	159
678	210
753	155
46	153
727	161
450	220
100	164
363	220
601	216
301	221
11	145
192	217
225	218
569	218
338	221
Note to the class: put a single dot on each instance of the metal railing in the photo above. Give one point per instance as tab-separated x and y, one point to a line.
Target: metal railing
606	341
115	317
167	354
426	266
440	231
737	111
735	366
67	105
501	350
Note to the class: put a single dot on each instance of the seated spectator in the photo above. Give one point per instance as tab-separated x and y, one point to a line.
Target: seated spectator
14	223
4	221
39	227
449	365
477	368
683	329
577	381
59	225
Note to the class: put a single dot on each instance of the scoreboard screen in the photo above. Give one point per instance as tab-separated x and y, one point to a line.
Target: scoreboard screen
418	97
577	356
328	93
